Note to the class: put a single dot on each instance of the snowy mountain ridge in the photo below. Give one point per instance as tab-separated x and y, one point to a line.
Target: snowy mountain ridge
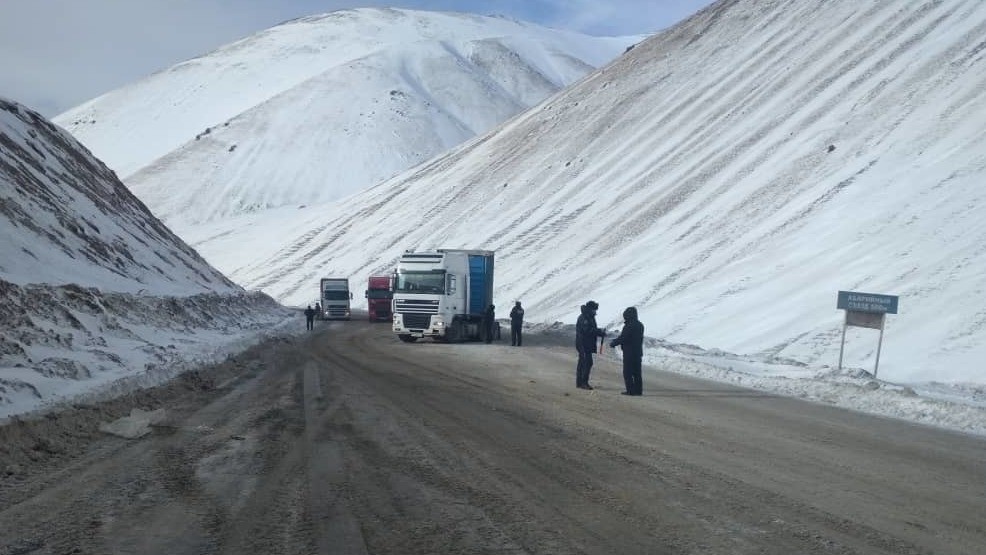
323	106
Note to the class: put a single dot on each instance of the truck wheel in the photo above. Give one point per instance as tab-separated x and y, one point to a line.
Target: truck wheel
454	333
407	338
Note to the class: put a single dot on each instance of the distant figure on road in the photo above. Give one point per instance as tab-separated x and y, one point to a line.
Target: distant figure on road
318	310
310	318
516	323
586	333
489	318
632	341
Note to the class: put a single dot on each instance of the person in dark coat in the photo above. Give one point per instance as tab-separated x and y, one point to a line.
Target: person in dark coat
310	318
489	317
586	333
632	341
516	324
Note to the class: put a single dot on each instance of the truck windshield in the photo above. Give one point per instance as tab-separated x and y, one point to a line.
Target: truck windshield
378	294
420	282
332	295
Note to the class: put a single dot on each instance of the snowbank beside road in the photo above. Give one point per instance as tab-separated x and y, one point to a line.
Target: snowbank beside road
959	407
60	343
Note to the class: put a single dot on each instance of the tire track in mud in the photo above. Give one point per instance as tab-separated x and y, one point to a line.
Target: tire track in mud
349	441
335	528
429	506
155	495
581	507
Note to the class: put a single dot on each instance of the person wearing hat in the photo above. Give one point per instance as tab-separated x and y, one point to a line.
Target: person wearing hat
586	333
632	341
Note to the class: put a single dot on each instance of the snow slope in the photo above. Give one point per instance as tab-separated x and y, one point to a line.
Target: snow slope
728	177
66	218
320	107
98	295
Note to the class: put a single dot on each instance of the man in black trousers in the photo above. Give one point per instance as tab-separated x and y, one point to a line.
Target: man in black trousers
489	321
586	333
516	324
310	318
632	341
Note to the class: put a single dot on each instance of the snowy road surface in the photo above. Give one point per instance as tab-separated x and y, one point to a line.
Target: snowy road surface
348	441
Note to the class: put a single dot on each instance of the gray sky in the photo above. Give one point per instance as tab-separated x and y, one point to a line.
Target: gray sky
56	54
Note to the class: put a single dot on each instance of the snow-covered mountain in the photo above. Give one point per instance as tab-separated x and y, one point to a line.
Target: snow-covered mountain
95	288
320	107
728	177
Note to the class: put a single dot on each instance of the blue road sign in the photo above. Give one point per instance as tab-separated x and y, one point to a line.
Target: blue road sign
867	302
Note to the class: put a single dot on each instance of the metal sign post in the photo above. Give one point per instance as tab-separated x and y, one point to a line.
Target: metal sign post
865	310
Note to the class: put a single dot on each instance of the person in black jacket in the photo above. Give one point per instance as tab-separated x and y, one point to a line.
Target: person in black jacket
310	318
586	333
516	324
632	341
489	318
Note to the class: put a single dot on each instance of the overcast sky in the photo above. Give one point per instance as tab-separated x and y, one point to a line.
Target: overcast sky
56	54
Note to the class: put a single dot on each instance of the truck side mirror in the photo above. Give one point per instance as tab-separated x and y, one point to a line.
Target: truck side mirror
367	294
450	284
350	296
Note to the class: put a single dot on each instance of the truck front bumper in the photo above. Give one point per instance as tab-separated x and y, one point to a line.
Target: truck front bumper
434	328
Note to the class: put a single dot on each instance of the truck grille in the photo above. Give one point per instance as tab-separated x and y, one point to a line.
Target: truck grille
417	321
416	312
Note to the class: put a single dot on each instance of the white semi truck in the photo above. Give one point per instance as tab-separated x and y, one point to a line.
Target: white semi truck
335	296
442	294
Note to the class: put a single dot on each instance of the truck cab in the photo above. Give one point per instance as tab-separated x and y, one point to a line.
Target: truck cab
379	298
336	298
442	294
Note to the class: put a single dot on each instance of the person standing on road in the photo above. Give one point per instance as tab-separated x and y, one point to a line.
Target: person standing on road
310	318
489	318
632	340
516	324
586	333
318	310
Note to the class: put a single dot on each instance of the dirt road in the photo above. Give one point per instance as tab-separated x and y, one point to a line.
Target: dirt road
348	441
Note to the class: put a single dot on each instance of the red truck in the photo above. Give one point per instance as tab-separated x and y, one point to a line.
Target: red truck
379	296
